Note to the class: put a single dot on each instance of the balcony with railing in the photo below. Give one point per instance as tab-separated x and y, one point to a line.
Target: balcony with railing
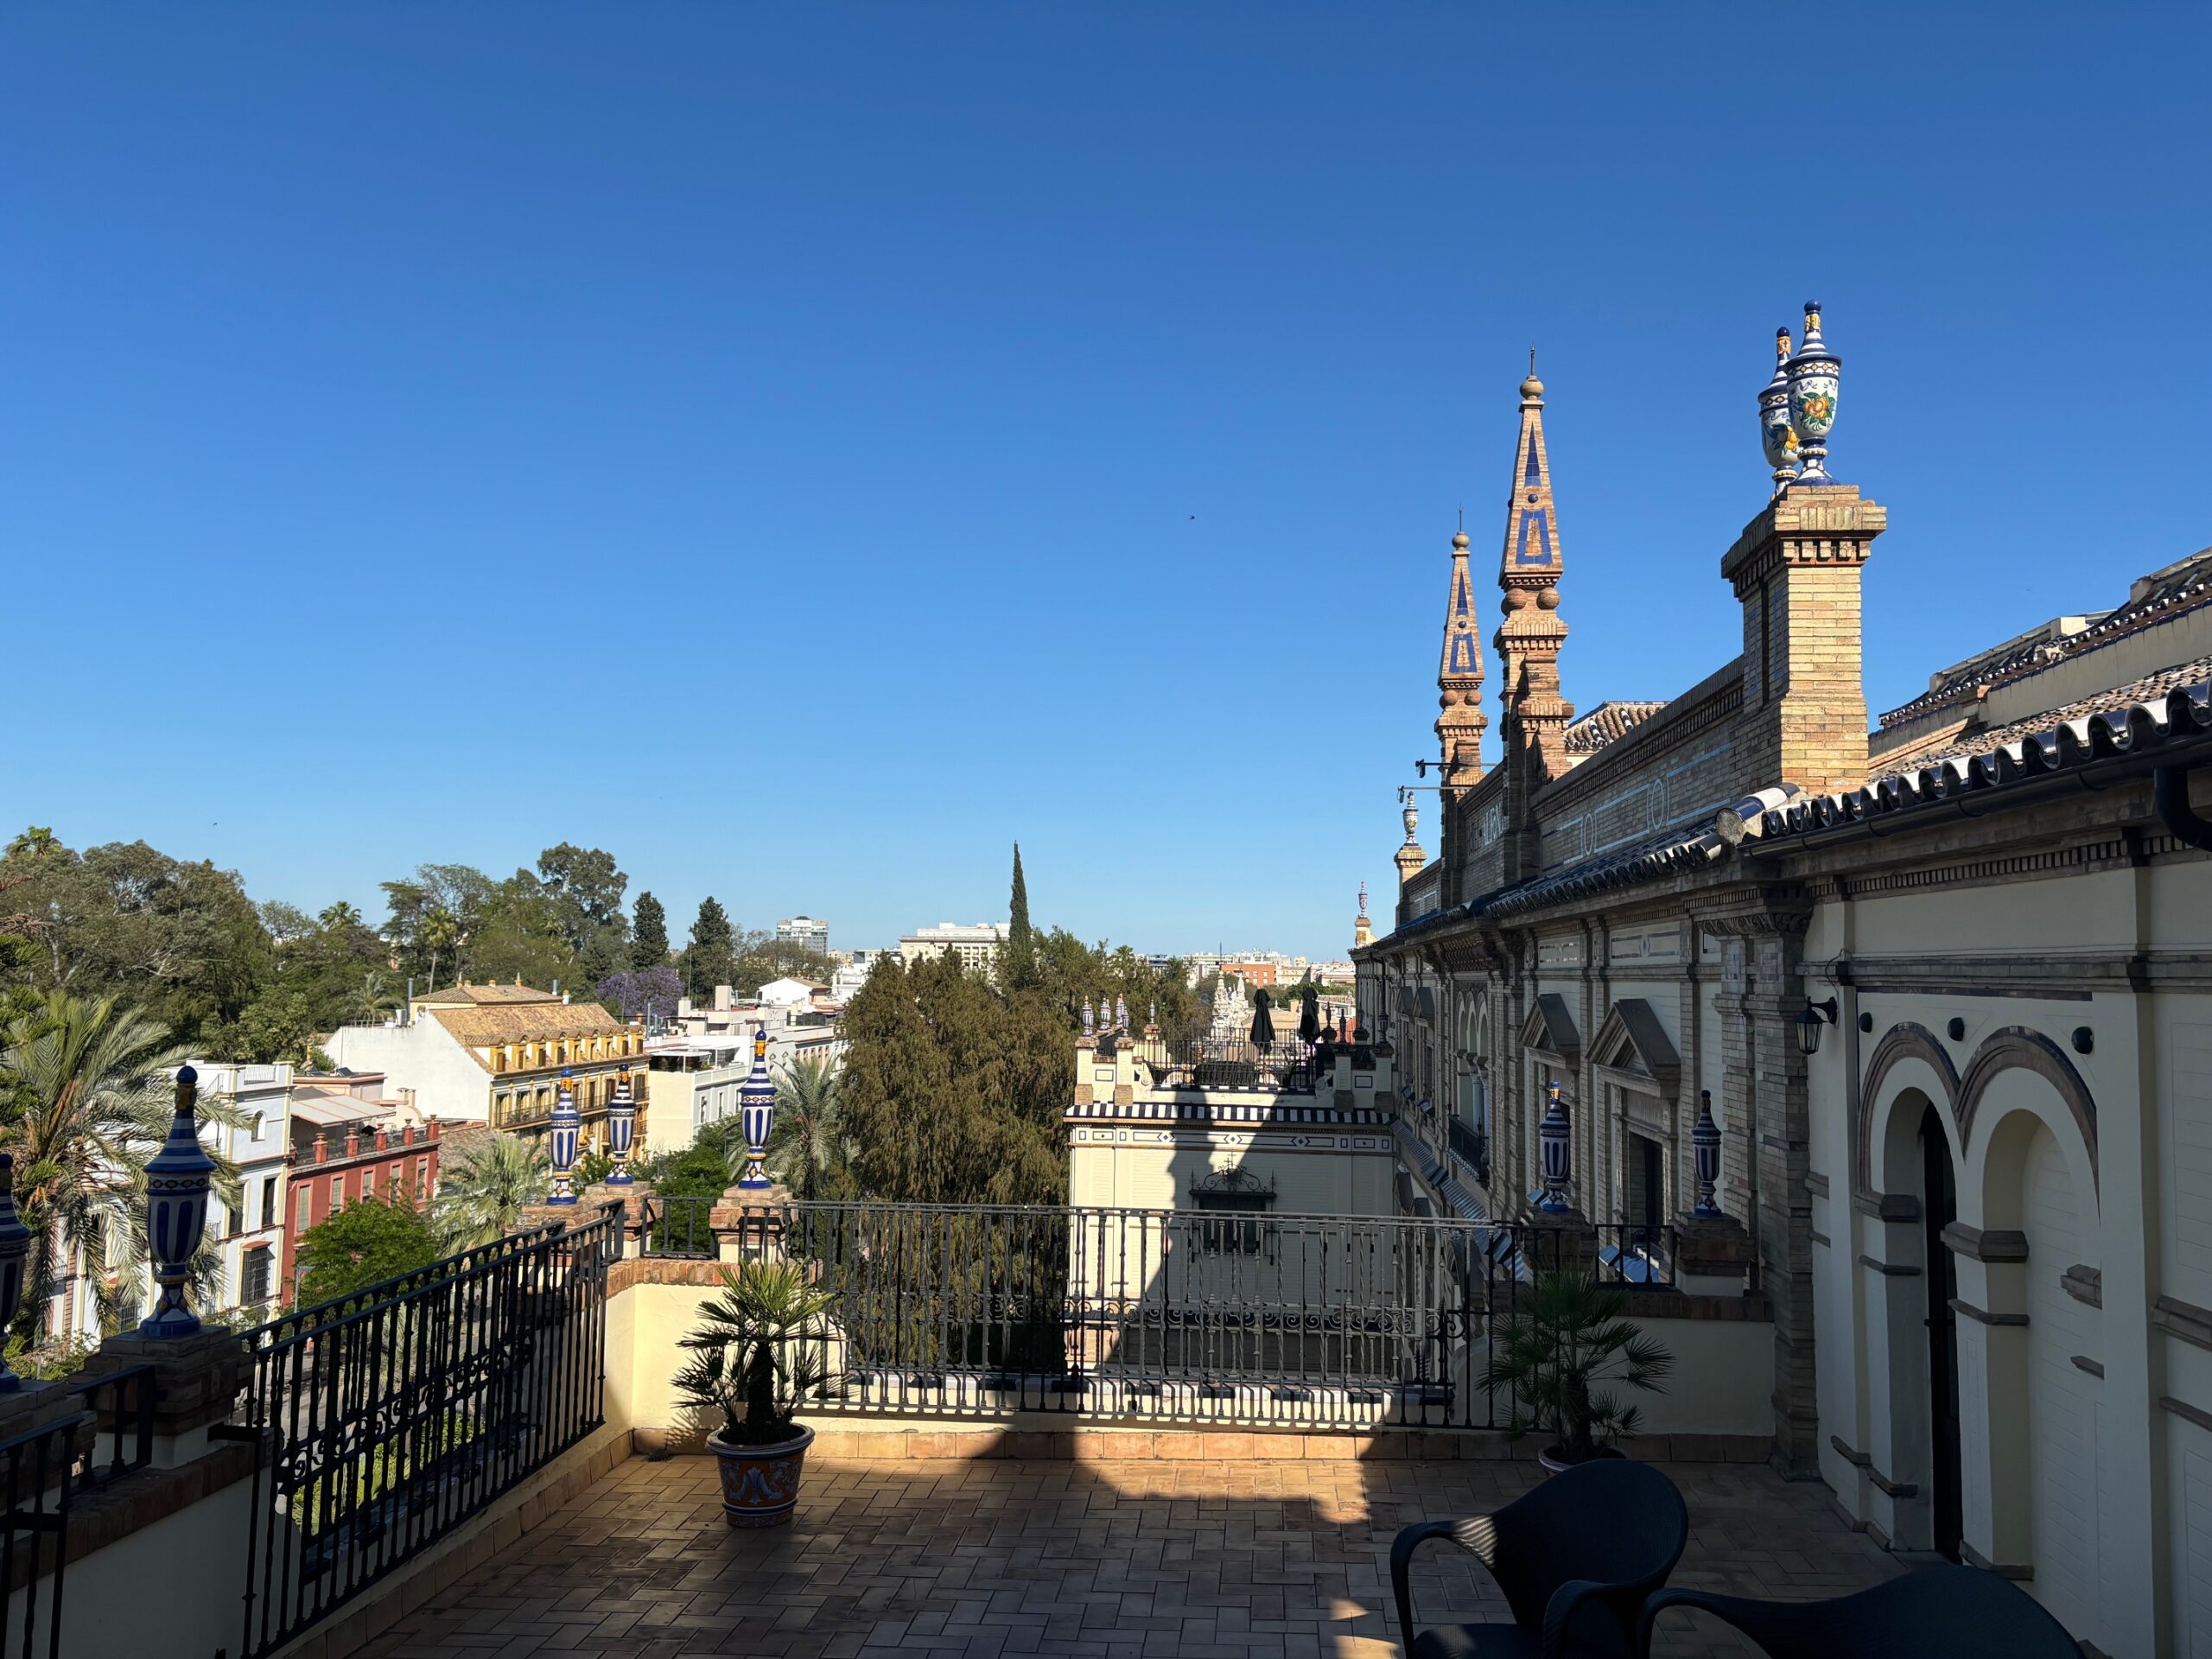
331	1477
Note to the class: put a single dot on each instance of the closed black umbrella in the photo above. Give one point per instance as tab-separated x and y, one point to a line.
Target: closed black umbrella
1309	1012
1263	1025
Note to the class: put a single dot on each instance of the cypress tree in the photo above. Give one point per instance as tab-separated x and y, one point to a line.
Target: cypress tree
710	959
1020	951
648	941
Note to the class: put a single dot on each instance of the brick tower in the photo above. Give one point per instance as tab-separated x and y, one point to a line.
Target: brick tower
1532	717
1460	720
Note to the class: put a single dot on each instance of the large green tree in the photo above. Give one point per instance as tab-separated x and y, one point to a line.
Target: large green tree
180	940
363	1243
952	1091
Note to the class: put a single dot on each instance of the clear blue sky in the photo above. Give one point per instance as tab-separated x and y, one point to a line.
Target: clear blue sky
803	450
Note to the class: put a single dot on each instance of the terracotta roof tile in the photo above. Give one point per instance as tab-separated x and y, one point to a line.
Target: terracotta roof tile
533	1022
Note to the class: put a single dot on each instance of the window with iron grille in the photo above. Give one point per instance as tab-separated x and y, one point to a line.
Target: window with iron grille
1232	1200
253	1278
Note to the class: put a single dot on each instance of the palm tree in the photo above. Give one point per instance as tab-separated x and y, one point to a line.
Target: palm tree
482	1195
809	1140
439	930
91	1105
374	998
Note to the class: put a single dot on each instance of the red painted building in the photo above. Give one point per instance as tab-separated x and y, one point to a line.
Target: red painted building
344	1148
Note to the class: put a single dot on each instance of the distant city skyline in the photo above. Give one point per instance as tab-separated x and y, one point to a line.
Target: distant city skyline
784	448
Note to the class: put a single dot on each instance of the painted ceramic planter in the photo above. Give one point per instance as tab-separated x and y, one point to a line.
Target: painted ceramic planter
1555	1463
761	1483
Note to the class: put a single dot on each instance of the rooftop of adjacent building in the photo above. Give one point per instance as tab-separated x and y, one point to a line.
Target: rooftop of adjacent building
486	995
2163	595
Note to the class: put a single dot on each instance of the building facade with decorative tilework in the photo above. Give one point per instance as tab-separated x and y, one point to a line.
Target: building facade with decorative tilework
1946	992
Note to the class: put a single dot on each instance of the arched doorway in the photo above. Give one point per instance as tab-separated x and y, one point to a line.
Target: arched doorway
1939	1208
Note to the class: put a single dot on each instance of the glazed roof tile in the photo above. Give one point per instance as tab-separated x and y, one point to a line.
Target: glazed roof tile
1607	722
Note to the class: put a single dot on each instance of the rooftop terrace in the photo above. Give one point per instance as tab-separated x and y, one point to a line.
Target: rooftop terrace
1200	1557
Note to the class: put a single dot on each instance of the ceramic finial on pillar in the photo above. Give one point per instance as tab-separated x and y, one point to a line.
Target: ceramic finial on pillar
621	1132
176	1212
1705	1139
1814	374
1777	436
1552	1134
756	1111
1089	1019
567	1132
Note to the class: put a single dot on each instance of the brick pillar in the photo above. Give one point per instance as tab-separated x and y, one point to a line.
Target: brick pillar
1784	1226
1796	570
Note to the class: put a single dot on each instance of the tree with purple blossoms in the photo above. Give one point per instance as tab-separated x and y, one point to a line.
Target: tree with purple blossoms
627	994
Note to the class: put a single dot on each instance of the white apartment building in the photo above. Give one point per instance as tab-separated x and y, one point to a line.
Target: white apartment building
845	984
694	1082
252	1233
808	932
975	944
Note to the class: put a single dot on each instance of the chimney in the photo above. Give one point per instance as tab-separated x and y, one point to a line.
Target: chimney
1796	570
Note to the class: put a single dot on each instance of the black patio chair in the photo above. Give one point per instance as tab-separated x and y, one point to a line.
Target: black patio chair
1575	1557
1937	1613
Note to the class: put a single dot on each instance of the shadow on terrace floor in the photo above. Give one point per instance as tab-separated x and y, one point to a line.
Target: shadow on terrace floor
1091	1561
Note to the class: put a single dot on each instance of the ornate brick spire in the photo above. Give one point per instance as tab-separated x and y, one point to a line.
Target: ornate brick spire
1532	719
1460	720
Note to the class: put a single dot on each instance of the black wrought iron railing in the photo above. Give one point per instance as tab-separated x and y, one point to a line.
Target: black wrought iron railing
1470	1146
121	1437
676	1226
1199	1057
36	1469
383	1421
1323	1321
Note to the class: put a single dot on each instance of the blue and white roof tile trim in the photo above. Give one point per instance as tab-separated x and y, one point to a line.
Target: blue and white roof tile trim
1196	1111
2166	707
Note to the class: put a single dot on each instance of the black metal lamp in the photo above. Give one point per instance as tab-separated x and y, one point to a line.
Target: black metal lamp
1810	1019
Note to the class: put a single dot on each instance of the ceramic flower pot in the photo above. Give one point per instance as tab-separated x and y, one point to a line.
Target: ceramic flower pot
761	1483
1553	1458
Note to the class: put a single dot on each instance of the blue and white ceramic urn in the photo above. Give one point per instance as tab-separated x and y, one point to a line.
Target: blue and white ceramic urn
15	1247
1705	1140
1777	435
1813	374
756	1112
176	1212
1553	1134
568	1128
621	1133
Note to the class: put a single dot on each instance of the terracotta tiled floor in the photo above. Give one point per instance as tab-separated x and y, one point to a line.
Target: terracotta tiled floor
1091	1561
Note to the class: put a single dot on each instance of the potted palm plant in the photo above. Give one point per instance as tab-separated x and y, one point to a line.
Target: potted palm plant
1558	1352
762	1346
